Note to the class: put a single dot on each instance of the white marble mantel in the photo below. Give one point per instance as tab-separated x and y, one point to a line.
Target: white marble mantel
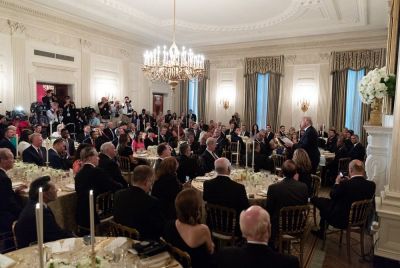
378	155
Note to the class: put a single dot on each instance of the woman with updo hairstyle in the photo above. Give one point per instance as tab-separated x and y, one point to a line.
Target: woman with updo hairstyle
303	164
186	232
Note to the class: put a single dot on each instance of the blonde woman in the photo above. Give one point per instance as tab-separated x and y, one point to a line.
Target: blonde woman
303	164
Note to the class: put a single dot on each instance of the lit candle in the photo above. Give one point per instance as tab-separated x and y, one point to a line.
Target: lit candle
91	208
158	136
47	152
178	130
39	235
51	128
237	156
246	154
252	160
16	145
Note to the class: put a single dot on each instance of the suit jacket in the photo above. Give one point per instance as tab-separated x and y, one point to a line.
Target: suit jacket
288	192
111	168
254	255
30	155
109	134
309	142
344	194
135	208
357	152
148	142
207	162
10	203
165	189
236	138
55	161
187	167
25	229
91	178
331	144
226	192
195	146
269	137
6	143
70	147
222	142
245	133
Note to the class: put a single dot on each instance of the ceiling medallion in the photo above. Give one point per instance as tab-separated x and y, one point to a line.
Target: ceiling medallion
173	65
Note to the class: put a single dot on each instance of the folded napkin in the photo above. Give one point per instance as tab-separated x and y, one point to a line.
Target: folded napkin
202	178
6	262
65	246
156	260
115	243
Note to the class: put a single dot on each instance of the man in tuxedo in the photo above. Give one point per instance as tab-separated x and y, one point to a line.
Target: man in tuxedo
196	132
164	136
187	166
223	191
282	131
244	132
135	208
35	154
269	134
6	141
221	141
108	164
25	229
358	150
90	177
94	134
143	117
332	141
309	142
255	225
69	143
85	134
335	210
10	200
209	156
288	192
231	129
109	133
57	155
236	138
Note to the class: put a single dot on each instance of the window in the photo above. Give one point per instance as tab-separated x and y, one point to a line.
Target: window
353	101
192	95
262	100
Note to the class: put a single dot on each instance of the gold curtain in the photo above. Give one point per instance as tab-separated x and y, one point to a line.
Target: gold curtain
273	100
358	59
184	88
253	66
202	93
339	86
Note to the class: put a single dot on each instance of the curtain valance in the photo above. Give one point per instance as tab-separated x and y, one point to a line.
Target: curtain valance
358	59
264	65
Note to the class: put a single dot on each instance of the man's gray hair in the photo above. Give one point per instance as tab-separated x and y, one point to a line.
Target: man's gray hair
222	165
88	152
105	146
5	153
210	141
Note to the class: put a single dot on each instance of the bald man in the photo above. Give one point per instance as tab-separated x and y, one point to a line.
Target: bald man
223	191
255	225
335	210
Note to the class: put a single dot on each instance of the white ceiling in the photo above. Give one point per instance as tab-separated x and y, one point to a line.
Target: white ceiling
218	22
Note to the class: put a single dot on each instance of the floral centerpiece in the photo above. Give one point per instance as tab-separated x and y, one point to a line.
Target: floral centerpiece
373	87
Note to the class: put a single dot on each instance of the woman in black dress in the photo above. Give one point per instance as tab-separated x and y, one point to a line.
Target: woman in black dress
303	163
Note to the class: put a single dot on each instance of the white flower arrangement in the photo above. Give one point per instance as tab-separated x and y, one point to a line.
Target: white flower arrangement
375	85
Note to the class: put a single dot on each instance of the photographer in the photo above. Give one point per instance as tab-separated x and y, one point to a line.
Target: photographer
127	110
68	111
104	109
48	99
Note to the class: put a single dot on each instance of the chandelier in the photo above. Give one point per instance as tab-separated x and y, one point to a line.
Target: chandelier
172	65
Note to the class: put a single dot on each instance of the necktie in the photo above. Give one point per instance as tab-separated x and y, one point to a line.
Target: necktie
40	153
215	156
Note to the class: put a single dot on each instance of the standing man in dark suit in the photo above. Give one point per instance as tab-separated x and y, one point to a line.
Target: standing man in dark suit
135	208
109	133
358	150
6	141
223	191
255	225
335	210
25	229
108	164
90	177
288	192
35	154
69	143
10	200
309	142
57	155
209	156
190	116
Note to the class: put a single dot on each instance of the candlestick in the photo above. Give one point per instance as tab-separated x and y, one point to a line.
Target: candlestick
91	209
51	128
178	130
39	234
252	160
16	145
246	155
158	135
237	155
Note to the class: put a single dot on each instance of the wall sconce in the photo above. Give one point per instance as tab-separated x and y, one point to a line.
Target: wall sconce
225	103
304	105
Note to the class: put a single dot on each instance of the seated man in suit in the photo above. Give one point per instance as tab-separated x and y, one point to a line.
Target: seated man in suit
194	145
6	141
35	154
25	229
90	177
57	156
223	191
188	167
221	141
288	192
335	210
358	150
69	143
135	208
10	200
208	157
255	225
163	151
244	132
150	140
108	164
269	134
94	134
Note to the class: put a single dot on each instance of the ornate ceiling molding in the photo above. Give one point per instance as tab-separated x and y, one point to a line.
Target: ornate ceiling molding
16	27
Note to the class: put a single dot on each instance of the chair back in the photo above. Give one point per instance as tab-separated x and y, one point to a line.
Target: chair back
293	220
359	212
234	148
14	235
343	165
181	256
117	229
124	163
278	160
221	221
105	205
315	185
